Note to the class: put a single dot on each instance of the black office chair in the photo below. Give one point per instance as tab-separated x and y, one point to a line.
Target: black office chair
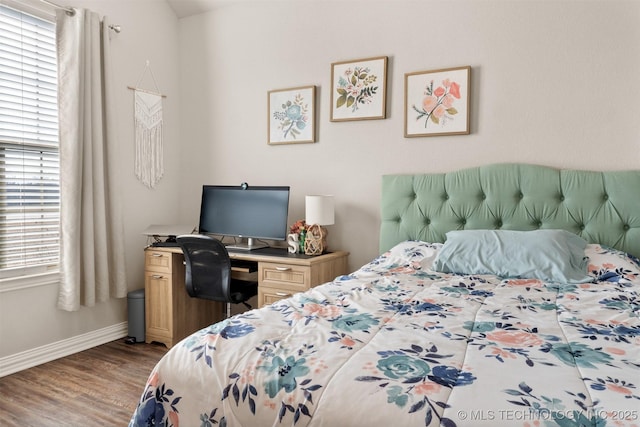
208	272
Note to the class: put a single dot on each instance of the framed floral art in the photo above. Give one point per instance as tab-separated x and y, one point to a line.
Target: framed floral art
291	115
437	102
358	89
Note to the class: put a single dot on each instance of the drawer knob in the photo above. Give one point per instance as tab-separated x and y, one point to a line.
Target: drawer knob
157	276
283	268
157	255
282	294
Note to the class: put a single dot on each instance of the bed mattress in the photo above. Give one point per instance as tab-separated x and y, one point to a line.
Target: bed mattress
397	343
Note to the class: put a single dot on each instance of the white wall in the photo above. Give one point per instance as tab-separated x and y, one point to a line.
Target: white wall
554	83
29	318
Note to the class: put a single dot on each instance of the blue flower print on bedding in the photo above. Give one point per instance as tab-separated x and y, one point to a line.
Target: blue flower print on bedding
503	341
234	330
400	366
355	322
306	309
203	343
612	331
412	375
284	372
209	420
626	388
577	354
414	250
151	410
553	411
287	380
611	265
411	253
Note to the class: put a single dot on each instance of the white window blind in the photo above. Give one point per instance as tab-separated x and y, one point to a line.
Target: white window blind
29	157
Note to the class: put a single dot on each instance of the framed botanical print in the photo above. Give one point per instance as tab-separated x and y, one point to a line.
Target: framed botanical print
437	102
291	115
358	89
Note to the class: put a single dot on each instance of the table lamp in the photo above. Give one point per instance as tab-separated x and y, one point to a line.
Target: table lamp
319	211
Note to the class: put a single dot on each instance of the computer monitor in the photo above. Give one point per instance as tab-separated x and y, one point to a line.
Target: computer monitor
246	212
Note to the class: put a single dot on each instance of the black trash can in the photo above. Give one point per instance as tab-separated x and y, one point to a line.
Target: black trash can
135	313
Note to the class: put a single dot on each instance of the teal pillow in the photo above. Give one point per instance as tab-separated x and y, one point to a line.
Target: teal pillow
549	255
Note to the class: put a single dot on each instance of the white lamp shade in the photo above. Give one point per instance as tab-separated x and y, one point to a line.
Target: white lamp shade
319	210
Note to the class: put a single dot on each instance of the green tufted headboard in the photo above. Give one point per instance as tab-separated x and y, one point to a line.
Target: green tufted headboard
602	207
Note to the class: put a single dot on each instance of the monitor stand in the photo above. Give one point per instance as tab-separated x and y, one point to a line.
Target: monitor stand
249	246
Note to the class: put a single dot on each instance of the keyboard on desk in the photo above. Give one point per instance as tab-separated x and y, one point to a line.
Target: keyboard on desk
245	266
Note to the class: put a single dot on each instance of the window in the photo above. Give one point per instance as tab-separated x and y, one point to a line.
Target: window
29	157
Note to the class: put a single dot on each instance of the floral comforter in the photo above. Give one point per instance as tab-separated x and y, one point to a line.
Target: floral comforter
397	344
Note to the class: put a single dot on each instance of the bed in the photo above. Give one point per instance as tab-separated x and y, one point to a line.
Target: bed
426	334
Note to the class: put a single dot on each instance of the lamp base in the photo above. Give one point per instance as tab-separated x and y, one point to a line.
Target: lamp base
316	241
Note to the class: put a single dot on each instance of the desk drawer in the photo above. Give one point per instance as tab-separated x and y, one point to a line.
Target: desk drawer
267	295
296	278
157	261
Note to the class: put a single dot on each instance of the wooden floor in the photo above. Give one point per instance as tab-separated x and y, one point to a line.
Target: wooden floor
97	387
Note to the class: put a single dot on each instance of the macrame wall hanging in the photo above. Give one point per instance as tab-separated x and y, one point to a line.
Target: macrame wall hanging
149	161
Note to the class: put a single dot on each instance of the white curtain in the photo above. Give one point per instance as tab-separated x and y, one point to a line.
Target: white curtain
92	249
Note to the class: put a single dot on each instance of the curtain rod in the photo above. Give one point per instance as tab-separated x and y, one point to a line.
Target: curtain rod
69	10
72	12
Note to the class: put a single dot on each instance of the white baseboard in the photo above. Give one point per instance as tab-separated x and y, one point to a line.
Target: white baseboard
47	353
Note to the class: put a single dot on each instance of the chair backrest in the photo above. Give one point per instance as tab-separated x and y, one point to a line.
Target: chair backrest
208	267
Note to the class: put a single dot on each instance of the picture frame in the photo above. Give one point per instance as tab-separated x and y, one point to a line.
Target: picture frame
291	115
359	89
436	102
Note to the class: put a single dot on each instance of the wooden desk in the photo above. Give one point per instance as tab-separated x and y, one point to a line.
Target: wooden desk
171	315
